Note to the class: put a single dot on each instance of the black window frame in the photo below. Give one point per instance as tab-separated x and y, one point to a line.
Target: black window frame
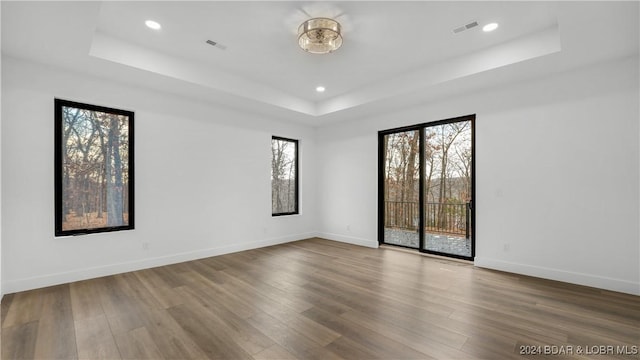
381	198
296	210
59	104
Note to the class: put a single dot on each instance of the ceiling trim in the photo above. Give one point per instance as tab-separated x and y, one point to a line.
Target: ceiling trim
115	50
524	48
527	47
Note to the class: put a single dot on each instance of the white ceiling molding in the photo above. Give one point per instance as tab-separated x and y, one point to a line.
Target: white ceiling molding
122	52
395	53
525	48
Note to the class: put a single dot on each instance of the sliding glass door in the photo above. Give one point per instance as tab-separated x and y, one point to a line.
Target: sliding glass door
426	187
401	188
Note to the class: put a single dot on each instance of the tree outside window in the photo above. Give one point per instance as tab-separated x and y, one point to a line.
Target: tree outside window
94	168
284	176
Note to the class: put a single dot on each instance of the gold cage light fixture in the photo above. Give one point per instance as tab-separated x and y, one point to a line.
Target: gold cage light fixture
319	35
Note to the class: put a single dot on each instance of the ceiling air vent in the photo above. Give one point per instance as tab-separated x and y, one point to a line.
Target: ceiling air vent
217	44
464	27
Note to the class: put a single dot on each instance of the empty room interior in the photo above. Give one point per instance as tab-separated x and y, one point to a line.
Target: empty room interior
320	180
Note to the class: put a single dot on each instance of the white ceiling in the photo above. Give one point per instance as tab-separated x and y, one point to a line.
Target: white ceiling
392	51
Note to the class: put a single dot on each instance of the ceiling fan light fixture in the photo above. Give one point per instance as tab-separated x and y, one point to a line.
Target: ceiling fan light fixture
320	35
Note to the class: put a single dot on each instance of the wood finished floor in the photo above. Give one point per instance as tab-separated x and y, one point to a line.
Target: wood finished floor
314	299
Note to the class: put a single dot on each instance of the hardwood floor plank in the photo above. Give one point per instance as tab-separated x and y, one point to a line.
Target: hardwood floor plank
290	339
166	296
171	339
94	339
25	307
481	349
274	352
314	299
124	313
245	335
524	328
85	300
205	332
211	273
214	263
372	340
349	349
320	299
112	297
19	341
158	277
267	300
434	342
619	330
224	296
162	285
138	344
136	291
168	275
6	304
311	329
56	330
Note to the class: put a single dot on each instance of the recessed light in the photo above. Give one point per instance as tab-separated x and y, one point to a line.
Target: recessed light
320	89
490	27
152	25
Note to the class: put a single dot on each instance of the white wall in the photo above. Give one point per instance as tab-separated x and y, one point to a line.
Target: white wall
556	175
557	178
1	287
202	180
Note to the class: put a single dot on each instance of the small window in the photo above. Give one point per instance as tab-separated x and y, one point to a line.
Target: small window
284	176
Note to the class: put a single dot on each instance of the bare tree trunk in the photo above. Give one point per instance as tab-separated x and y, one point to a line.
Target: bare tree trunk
113	173
443	181
387	167
99	194
102	179
117	164
70	120
410	177
289	190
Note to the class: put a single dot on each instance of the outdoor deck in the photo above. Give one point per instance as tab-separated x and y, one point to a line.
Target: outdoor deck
444	243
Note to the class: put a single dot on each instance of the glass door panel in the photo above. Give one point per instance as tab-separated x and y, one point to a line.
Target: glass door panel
448	171
401	188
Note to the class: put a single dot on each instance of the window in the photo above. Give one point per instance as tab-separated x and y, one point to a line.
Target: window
93	169
284	176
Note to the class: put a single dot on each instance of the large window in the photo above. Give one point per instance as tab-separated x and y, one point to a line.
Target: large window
284	176
94	168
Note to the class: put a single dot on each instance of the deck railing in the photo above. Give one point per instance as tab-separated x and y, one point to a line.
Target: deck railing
441	218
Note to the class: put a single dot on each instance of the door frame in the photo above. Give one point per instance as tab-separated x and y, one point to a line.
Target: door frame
381	163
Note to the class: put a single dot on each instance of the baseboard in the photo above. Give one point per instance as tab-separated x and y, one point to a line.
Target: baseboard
349	239
12	286
600	282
